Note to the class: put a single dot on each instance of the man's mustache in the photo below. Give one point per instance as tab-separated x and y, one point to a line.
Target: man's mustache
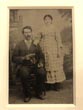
28	36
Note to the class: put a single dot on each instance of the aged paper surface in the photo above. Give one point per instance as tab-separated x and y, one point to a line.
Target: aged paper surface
77	55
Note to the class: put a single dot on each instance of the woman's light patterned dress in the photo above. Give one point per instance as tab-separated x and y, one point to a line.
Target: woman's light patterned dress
51	46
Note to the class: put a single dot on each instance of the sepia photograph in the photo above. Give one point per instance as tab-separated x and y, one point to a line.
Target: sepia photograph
40	56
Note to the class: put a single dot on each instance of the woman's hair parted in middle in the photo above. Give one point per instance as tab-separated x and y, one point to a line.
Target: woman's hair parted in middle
48	16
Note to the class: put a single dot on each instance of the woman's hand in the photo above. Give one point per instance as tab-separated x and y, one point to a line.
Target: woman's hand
58	55
60	51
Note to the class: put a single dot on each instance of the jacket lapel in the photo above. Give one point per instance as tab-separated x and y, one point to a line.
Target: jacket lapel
30	48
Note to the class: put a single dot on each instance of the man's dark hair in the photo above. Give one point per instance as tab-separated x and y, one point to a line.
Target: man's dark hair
26	27
48	16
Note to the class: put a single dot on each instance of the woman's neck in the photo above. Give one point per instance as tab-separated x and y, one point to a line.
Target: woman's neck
48	24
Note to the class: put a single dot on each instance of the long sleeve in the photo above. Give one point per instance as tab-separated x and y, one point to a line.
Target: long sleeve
16	58
40	55
58	38
59	41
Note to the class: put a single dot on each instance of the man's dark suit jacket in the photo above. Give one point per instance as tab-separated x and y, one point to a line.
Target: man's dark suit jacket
21	50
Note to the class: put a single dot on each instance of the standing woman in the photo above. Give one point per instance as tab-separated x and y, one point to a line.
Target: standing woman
52	47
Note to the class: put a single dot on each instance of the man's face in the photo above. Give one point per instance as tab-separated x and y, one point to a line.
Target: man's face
27	34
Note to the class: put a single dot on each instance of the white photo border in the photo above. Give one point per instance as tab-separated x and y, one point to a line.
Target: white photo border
5	5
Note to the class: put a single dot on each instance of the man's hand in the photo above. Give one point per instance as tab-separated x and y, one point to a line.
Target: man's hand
40	65
27	57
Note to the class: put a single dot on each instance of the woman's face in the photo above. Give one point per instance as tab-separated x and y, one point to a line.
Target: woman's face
48	20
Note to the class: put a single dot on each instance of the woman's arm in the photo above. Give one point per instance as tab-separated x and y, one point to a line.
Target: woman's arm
59	43
40	55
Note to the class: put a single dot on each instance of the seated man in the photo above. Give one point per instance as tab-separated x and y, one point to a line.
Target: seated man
30	59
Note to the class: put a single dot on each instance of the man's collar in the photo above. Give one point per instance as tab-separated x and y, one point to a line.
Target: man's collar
28	41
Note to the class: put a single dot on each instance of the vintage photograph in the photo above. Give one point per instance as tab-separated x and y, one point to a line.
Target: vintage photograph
40	56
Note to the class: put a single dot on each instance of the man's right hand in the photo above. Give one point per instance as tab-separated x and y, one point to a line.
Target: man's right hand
27	57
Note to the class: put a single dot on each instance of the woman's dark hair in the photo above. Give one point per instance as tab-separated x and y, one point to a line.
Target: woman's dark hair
48	16
26	27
